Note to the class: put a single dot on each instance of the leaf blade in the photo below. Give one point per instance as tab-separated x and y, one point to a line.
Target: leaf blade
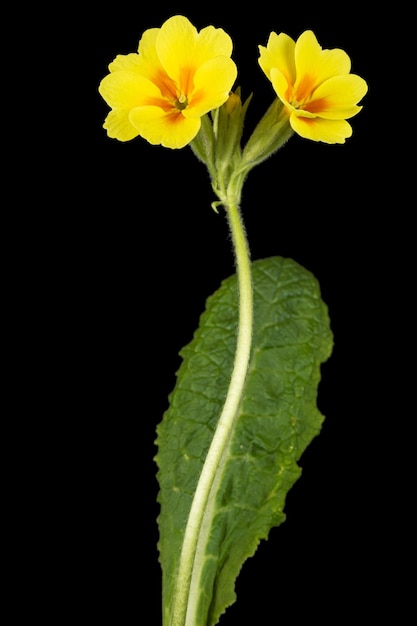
278	418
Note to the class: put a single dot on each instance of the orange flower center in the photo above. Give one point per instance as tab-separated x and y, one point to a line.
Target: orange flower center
181	102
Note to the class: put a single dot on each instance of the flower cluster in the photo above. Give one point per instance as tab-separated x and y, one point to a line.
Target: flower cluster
179	74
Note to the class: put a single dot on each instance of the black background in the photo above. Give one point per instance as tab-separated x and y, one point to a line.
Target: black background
143	250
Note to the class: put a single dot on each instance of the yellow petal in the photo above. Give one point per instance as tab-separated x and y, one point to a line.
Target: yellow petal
182	50
149	63
318	129
212	42
279	54
118	125
126	62
175	45
170	129
314	65
281	86
126	90
147	46
337	97
213	82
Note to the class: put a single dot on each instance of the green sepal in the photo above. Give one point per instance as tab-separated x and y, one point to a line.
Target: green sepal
218	144
203	145
228	127
271	133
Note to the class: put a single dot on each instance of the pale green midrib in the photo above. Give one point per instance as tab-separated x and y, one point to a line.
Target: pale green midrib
243	351
206	526
189	571
212	508
201	554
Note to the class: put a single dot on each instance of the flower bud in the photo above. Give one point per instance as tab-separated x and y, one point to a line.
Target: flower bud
232	102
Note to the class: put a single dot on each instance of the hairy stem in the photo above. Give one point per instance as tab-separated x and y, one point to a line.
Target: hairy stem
199	521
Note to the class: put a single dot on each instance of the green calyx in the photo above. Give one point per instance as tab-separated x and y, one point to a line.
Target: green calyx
218	144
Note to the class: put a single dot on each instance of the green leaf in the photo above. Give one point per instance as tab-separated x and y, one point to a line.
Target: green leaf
277	420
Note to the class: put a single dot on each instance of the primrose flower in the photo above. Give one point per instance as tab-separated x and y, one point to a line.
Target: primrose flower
177	76
315	85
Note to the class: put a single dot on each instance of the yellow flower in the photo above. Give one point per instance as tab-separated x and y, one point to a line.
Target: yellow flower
315	85
178	75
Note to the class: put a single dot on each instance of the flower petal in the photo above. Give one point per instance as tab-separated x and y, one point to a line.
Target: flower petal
118	125
126	89
150	66
337	97
147	54
171	129
278	54
125	62
182	50
318	129
314	65
213	82
175	45
212	42
281	86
